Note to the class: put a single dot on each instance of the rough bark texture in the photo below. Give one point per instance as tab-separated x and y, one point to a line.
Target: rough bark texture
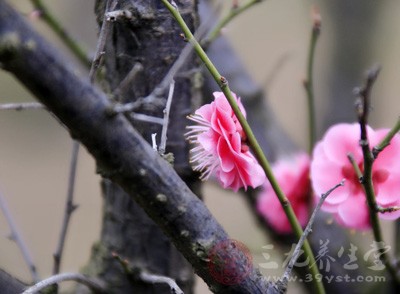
152	39
142	173
122	155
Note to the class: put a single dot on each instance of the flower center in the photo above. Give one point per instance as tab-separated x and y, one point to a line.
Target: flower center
351	177
378	177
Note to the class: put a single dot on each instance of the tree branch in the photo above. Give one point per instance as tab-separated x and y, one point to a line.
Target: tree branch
68	210
122	155
275	144
53	280
17	238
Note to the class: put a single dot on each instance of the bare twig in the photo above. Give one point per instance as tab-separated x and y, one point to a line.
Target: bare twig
235	11
156	279
146	118
363	102
309	82
101	43
57	28
69	204
386	140
21	106
363	108
124	108
251	139
138	274
69	208
163	140
183	56
109	141
296	253
355	166
161	87
82	279
16	236
126	82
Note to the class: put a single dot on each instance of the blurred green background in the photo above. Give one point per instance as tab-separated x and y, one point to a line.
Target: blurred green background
272	40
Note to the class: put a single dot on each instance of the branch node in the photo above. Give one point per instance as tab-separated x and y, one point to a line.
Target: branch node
118	15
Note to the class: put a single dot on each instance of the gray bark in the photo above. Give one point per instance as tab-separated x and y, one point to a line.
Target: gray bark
152	39
122	155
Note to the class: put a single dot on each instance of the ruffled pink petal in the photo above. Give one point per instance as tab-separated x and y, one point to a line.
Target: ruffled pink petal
328	207
385	158
269	206
208	140
222	121
302	214
256	173
226	178
206	111
354	213
221	147
233	181
342	139
233	141
226	157
325	174
292	175
388	192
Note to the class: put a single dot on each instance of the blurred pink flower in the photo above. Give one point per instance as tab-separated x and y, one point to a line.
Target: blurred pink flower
292	174
330	165
220	146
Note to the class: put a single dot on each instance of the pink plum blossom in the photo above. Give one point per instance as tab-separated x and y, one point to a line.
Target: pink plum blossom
220	147
330	165
292	174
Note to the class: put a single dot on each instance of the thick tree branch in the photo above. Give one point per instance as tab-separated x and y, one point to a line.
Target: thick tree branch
9	284
121	153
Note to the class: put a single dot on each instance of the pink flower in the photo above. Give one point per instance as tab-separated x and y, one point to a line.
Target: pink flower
330	165
292	175
220	146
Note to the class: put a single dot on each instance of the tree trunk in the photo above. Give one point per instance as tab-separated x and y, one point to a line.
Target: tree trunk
152	39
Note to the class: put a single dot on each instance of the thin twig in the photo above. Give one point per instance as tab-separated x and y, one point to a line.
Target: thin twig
296	253
386	140
308	83
235	11
125	108
127	81
255	146
21	106
183	56
163	140
146	118
156	279
54	24
138	274
69	208
94	285
363	108
17	238
387	209
161	87
355	166
101	42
